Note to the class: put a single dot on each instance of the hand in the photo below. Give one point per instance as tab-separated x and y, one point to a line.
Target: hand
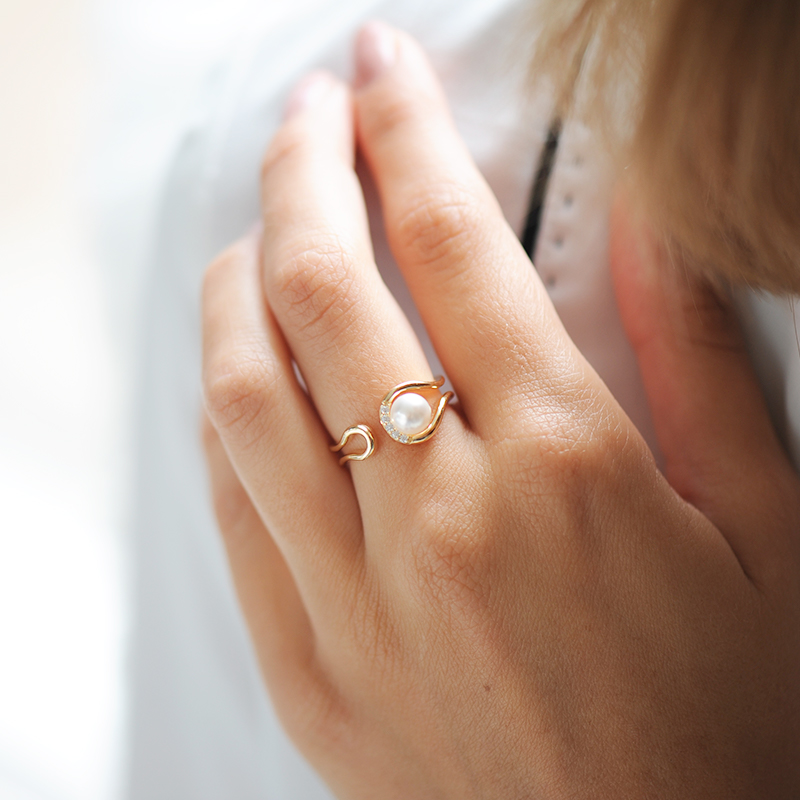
524	606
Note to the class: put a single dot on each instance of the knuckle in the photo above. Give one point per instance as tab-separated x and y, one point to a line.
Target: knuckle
312	714
583	454
546	414
241	393
388	113
316	288
581	474
439	228
448	568
564	413
452	557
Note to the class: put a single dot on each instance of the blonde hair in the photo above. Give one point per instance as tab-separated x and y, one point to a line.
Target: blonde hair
711	92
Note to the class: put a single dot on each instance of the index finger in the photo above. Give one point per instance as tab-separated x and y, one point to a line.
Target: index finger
489	316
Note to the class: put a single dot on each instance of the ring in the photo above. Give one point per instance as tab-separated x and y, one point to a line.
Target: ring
407	415
369	439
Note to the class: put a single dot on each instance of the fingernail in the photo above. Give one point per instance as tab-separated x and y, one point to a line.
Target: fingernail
310	91
376	52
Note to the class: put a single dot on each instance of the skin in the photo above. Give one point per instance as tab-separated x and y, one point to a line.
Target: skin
524	606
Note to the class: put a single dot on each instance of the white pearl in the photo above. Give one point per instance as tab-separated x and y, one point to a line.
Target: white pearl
410	413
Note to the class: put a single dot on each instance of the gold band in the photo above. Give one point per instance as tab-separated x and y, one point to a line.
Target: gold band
369	439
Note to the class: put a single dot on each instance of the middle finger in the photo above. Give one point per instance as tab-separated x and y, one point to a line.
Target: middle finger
488	314
351	341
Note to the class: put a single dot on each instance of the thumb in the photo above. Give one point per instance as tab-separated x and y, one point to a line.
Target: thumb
721	453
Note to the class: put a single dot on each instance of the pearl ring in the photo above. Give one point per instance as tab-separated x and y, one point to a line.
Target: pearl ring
406	415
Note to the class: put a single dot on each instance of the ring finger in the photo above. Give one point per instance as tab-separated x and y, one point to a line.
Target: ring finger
347	334
274	438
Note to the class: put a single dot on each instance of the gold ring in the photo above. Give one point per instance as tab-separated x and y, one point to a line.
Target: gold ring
408	416
369	439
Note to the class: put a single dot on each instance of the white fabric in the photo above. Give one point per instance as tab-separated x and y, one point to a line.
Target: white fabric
201	725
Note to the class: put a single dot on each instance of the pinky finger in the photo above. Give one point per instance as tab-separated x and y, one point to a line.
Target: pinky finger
276	618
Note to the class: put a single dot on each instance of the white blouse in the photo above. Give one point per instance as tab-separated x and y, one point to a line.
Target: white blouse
201	726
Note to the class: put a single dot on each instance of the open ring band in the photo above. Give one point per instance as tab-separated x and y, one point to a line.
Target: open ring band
356	430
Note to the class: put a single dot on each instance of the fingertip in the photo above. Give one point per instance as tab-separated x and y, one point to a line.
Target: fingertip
382	51
318	119
316	89
376	48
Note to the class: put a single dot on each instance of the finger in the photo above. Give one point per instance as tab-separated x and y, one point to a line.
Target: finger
345	330
272	607
488	315
720	449
272	435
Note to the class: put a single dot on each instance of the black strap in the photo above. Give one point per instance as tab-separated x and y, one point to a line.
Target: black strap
547	160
